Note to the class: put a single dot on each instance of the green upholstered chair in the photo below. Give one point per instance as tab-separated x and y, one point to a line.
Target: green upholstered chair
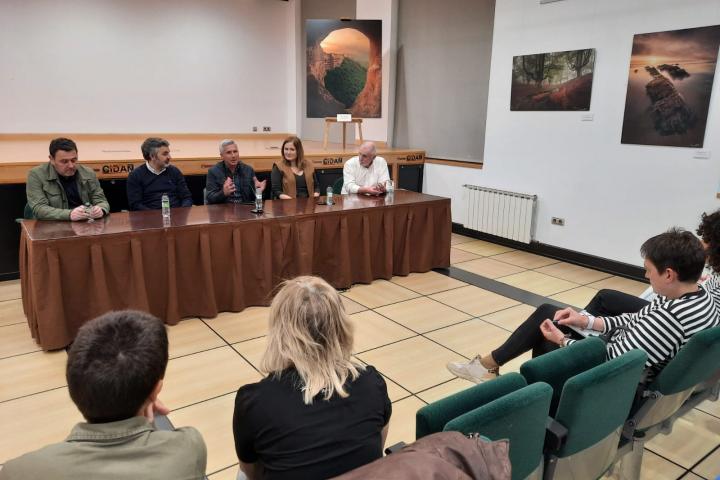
592	410
433	418
337	186
501	408
690	378
556	367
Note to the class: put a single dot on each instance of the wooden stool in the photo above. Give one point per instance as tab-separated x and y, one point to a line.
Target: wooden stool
329	120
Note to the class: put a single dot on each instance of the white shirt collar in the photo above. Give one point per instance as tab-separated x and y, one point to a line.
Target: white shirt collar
149	167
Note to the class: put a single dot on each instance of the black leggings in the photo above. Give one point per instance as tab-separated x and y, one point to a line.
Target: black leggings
606	303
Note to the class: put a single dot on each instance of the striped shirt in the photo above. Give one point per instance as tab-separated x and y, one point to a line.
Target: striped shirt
662	327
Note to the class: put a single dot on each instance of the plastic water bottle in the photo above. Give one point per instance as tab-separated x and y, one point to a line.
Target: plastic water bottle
258	200
165	203
389	186
329	200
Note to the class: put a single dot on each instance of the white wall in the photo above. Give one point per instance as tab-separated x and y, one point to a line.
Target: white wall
155	65
612	196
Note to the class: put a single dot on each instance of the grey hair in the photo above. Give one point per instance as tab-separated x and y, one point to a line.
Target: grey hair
371	145
225	143
151	145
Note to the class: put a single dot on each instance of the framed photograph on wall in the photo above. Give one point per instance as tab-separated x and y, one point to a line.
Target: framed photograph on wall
344	68
669	85
552	81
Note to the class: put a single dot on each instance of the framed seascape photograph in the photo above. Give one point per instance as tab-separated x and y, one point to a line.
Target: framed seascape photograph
552	81
669	85
344	68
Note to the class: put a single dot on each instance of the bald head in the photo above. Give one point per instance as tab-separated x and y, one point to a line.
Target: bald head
366	154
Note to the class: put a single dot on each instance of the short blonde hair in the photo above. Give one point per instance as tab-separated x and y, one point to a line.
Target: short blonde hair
310	331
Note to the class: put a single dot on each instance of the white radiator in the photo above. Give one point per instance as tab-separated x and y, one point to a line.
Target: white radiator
501	213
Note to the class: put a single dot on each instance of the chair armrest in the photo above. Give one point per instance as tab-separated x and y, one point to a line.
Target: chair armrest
555	435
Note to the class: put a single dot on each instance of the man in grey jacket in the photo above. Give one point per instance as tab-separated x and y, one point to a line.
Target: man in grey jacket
63	190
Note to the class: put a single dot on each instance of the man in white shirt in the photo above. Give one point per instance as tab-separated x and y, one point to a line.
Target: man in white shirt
365	173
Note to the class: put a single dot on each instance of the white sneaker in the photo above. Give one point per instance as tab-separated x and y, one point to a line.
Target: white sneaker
472	370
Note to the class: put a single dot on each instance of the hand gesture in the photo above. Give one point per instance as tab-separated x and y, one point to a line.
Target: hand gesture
259	184
568	316
96	212
551	332
78	213
228	187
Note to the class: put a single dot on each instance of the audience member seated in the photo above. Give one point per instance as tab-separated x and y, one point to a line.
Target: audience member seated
317	413
115	371
365	173
674	262
292	176
230	180
147	183
63	190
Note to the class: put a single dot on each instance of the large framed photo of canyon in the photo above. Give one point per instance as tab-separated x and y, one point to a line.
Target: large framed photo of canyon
669	86
344	68
552	81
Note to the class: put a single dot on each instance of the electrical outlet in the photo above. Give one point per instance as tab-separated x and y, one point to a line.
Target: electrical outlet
254	129
266	129
558	221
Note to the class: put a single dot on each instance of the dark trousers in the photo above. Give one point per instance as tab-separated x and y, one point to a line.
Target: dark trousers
606	303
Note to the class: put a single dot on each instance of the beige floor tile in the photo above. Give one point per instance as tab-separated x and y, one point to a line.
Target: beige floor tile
622	284
379	293
713	408
236	327
482	248
31	373
515	364
457	256
710	467
510	318
428	282
573	273
525	259
444	390
538	283
350	306
252	350
474	300
455	239
204	375
16	339
487	267
423	314
578	297
470	338
32	422
10	290
693	436
655	467
213	419
373	330
229	473
415	364
692	476
402	422
395	391
11	312
191	335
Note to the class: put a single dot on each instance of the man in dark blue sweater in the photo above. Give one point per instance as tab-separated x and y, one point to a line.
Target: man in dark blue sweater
147	183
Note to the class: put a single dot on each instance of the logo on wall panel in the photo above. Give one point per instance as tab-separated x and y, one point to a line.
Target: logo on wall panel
332	161
117	168
412	158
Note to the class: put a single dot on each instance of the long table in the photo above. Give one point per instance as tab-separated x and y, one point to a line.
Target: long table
218	258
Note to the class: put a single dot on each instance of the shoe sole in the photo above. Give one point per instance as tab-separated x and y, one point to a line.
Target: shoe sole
466	376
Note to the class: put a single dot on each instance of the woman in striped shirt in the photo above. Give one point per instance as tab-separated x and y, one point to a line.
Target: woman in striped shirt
674	261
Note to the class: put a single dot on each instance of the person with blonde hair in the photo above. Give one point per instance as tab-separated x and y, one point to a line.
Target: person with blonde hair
317	413
292	175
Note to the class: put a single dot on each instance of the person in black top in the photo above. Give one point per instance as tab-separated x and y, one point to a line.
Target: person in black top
292	176
318	413
231	180
147	183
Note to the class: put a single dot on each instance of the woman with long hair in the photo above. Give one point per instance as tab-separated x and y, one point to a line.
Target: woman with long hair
292	176
317	413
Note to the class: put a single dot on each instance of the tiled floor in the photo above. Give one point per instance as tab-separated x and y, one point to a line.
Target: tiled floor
408	328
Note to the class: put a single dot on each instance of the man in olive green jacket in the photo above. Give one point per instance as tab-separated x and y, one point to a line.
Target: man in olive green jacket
63	190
